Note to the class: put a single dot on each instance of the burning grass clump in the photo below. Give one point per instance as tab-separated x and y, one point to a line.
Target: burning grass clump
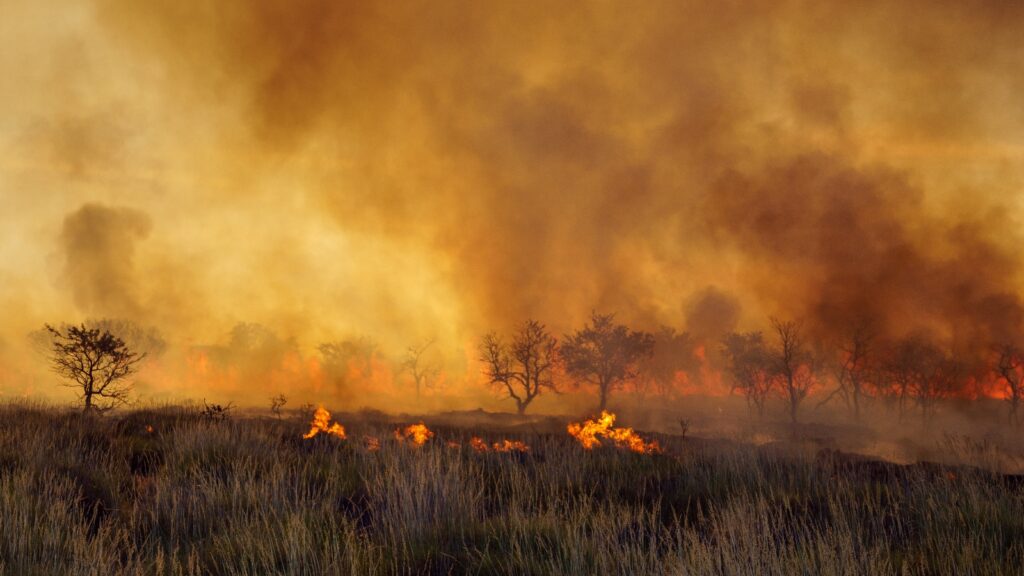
597	432
251	496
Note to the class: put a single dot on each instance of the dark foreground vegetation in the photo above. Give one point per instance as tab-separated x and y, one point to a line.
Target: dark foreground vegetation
167	491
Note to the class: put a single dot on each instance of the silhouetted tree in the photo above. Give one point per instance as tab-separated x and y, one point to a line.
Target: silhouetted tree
749	365
1010	366
605	354
900	366
922	373
522	368
96	362
853	367
792	364
941	379
277	404
423	373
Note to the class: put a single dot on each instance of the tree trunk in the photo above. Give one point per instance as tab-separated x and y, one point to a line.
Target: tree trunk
604	399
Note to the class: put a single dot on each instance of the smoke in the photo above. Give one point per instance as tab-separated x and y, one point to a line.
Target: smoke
98	246
712	314
437	170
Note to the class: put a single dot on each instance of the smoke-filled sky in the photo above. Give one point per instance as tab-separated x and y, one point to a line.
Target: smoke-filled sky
408	170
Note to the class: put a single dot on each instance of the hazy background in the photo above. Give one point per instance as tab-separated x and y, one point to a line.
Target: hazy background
326	171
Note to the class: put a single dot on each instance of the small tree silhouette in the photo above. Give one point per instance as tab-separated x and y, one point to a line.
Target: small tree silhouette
749	365
793	364
605	354
96	362
424	374
522	368
216	413
277	403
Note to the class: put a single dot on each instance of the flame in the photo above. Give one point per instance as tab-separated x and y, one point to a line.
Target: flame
511	446
321	419
588	433
417	433
372	443
149	428
504	446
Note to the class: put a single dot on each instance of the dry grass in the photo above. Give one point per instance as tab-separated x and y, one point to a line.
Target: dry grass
81	495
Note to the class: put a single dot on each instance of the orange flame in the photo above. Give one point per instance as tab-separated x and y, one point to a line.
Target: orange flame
321	419
372	443
511	446
504	446
417	433
589	432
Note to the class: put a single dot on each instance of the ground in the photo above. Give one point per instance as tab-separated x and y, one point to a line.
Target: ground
165	491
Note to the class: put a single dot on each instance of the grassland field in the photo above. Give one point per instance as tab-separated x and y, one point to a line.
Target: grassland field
165	491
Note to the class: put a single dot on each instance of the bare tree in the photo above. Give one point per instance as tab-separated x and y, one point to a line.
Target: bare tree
900	366
216	413
750	367
606	354
853	367
277	403
1010	366
423	373
792	364
523	368
96	362
940	378
922	373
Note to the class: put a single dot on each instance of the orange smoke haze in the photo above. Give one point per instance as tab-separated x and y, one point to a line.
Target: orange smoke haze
292	194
